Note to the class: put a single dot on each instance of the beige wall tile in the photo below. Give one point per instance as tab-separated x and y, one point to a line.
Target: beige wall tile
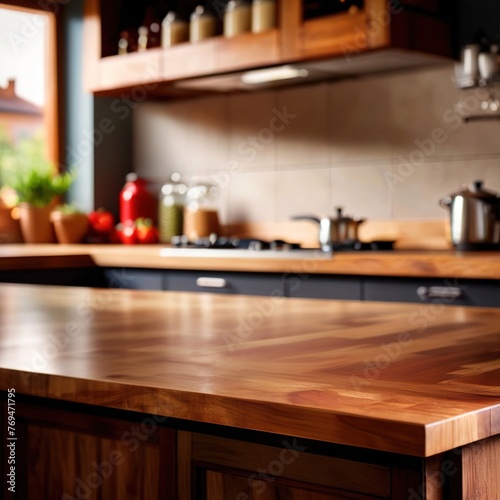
181	136
361	125
252	142
304	139
252	197
427	101
303	192
362	191
417	195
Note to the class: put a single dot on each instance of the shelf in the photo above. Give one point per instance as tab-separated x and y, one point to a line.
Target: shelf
338	36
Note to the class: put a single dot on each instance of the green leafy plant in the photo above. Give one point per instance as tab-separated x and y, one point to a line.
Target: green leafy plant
26	170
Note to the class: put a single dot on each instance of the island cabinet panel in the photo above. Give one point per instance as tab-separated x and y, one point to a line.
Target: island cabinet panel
263	284
223	468
310	286
67	455
480	293
134	279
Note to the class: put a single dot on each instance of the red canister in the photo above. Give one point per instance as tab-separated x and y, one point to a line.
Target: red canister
136	201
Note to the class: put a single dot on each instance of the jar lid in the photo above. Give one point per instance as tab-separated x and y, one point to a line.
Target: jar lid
234	4
201	11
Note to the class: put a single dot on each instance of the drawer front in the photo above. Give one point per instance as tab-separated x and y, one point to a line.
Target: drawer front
135	279
323	287
443	291
232	283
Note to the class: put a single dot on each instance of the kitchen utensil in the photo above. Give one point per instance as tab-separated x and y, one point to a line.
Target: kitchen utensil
334	230
474	217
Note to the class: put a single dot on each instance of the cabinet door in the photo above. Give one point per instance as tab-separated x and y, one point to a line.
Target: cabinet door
314	29
216	468
232	283
313	286
135	279
66	455
479	293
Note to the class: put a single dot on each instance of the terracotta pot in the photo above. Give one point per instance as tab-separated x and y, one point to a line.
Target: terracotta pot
36	226
70	228
10	231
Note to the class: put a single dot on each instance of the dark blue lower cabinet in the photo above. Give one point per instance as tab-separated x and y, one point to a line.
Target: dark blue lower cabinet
448	291
318	286
265	284
135	279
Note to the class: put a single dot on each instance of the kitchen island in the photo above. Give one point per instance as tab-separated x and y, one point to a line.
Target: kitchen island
238	394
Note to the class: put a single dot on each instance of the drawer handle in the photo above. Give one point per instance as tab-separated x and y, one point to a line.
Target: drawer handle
211	282
439	292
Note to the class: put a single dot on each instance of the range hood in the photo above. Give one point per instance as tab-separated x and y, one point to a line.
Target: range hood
367	63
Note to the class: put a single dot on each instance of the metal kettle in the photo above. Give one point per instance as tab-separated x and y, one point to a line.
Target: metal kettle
334	230
474	217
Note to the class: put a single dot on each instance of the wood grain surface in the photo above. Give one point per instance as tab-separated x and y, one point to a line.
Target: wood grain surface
437	264
412	379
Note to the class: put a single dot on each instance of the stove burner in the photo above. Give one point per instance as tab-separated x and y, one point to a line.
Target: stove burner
214	241
255	244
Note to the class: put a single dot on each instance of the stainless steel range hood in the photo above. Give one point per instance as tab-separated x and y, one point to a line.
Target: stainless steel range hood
311	71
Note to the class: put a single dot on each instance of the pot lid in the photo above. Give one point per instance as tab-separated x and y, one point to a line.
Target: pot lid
475	191
346	218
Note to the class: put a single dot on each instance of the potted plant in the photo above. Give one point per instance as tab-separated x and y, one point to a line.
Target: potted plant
37	184
70	224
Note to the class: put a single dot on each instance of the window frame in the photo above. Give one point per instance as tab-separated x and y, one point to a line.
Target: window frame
54	94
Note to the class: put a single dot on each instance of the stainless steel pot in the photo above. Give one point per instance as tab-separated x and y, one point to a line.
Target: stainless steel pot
474	217
334	230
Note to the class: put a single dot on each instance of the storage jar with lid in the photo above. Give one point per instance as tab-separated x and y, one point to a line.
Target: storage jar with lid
174	30
171	208
237	18
203	24
200	216
136	201
263	15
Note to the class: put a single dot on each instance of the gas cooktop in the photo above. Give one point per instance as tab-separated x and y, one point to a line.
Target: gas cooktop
252	247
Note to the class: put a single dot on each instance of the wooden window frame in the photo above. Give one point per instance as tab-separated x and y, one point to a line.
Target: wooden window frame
54	95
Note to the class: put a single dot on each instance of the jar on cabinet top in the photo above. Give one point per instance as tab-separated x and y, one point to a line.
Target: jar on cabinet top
171	208
136	201
203	24
263	15
237	18
174	30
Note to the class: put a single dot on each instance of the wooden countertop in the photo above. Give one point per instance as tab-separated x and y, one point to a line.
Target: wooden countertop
401	378
439	264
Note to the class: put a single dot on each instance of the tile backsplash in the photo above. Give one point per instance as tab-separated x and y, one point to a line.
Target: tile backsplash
384	147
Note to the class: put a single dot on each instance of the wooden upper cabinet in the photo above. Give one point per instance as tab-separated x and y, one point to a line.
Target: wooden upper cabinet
304	32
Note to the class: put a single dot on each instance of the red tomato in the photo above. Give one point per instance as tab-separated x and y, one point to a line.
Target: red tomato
128	234
146	232
102	221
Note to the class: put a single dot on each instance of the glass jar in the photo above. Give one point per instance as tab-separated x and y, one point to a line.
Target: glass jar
200	216
237	18
136	201
174	30
171	209
203	24
263	15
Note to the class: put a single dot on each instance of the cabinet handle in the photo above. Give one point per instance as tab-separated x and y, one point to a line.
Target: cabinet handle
439	292
211	282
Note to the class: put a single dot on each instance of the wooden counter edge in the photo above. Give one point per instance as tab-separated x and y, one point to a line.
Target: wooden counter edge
408	438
